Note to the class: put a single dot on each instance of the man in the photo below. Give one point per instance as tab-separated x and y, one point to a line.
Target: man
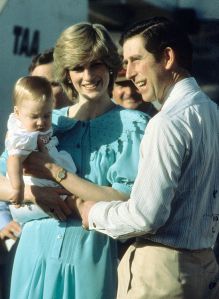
42	65
174	205
127	95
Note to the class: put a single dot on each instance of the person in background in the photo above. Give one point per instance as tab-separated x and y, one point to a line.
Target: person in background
62	259
9	232
174	204
9	235
126	94
42	65
9	229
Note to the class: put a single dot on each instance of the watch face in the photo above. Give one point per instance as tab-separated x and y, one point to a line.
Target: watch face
62	174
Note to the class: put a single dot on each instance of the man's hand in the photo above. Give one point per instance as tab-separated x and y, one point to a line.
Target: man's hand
10	231
84	208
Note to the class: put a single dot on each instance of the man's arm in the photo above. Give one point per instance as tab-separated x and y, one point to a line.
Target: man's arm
149	206
41	165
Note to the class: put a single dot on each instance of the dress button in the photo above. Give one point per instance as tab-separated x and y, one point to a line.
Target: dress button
78	145
59	237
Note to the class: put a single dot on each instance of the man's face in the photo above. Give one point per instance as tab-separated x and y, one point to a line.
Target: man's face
60	98
126	94
149	76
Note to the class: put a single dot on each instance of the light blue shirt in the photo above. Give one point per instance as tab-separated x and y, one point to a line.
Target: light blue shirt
175	197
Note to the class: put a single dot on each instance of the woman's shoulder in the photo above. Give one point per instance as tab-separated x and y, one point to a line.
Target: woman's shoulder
119	124
133	115
129	118
61	121
60	112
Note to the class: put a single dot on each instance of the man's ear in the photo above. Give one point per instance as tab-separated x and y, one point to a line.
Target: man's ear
169	58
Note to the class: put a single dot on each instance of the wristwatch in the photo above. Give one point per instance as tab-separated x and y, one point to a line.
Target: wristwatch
61	175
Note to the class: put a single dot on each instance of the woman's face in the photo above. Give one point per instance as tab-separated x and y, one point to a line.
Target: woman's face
91	80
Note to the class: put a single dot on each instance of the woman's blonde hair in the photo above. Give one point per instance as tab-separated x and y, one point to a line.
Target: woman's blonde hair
80	44
34	88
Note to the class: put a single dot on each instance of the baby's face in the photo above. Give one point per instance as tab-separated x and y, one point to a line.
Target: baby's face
35	115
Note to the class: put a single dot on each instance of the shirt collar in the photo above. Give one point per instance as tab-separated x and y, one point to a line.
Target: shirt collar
179	91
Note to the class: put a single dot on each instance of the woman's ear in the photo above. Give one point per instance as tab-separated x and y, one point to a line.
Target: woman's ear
169	58
68	77
16	111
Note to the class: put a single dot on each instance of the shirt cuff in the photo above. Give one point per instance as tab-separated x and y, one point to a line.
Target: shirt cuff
96	217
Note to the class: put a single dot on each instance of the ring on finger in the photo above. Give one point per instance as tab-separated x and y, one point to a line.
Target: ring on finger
84	227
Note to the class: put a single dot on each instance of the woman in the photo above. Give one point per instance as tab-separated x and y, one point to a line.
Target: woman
59	259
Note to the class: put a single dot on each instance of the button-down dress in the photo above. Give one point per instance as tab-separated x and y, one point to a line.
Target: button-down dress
61	260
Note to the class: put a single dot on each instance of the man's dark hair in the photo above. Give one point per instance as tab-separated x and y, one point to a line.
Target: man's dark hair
41	58
159	33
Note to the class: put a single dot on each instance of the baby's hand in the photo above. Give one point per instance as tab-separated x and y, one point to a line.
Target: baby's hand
17	197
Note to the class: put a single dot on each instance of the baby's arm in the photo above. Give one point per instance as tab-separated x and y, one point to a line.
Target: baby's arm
15	174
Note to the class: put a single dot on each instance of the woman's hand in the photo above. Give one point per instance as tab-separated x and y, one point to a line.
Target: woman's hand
38	164
48	198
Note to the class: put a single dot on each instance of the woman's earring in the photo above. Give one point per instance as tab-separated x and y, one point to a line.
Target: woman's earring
68	78
110	72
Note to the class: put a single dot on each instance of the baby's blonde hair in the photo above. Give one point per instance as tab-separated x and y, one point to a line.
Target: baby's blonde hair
34	88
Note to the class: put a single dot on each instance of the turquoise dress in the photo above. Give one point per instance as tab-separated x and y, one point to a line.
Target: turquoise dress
61	260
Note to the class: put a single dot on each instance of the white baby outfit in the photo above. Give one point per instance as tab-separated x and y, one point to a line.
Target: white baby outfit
21	142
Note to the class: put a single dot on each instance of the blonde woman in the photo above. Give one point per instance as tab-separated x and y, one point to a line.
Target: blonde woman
62	259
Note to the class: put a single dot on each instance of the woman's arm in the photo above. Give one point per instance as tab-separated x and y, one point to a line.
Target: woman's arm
48	198
85	189
6	190
41	165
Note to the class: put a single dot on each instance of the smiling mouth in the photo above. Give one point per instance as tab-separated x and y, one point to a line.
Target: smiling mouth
140	84
130	100
90	86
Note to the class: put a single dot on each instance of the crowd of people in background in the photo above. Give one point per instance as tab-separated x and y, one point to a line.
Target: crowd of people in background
137	217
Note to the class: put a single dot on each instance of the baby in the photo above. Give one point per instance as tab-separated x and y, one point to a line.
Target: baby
29	129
